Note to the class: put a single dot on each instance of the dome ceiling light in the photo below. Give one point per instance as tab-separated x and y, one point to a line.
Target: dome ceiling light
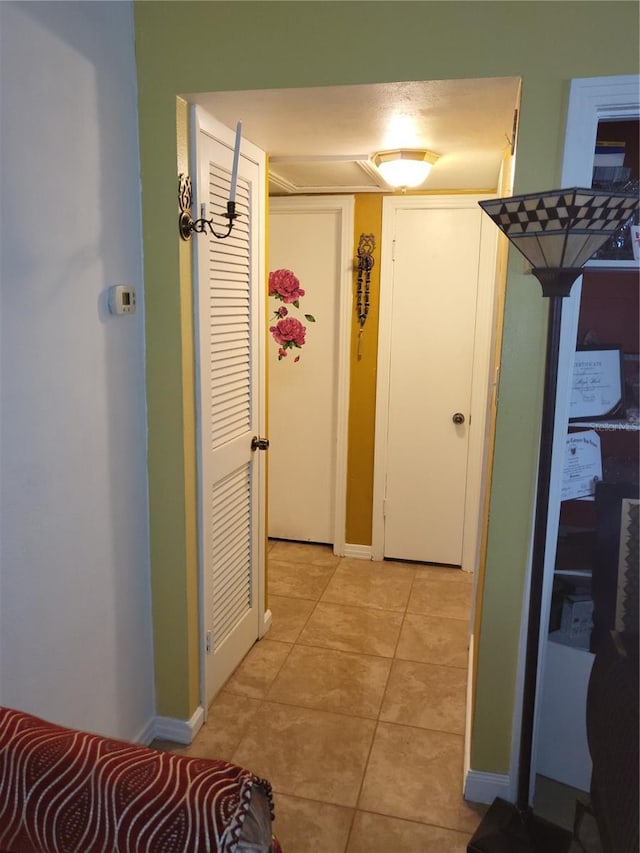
405	167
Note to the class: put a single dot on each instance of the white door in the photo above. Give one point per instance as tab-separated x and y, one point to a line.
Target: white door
428	347
230	331
312	238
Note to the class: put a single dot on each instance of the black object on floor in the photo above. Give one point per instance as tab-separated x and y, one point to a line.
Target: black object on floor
506	829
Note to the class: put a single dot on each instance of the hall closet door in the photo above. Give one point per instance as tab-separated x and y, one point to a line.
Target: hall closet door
230	402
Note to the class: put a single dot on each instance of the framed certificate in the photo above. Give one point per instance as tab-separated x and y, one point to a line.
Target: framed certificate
582	465
597	389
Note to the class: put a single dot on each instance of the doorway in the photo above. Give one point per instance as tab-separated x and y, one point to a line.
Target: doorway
320	142
309	384
339	164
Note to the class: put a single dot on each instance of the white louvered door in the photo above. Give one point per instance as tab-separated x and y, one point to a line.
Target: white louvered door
230	322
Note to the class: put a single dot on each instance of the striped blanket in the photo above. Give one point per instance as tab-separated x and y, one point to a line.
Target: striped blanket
67	791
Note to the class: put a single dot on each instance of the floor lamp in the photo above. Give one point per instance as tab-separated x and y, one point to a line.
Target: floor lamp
557	232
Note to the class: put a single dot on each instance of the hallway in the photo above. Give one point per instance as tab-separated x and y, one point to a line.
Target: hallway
353	706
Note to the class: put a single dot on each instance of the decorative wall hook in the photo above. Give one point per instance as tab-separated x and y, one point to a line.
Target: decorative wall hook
366	247
187	225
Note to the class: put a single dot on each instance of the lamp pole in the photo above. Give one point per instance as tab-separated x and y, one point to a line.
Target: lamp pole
556	285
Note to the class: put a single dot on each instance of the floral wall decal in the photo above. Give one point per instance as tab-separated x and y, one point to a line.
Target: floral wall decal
288	332
285	286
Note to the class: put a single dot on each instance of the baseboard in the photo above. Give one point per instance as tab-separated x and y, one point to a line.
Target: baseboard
266	623
358	552
180	731
480	787
147	734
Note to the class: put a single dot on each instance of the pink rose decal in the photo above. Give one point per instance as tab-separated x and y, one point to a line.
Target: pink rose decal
289	333
285	286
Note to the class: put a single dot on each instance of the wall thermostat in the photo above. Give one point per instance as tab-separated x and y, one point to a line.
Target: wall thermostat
122	299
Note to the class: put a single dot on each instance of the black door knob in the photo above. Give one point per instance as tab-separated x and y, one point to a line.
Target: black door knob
259	443
458	418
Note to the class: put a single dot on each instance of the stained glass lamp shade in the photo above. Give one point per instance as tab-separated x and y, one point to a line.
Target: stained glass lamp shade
561	229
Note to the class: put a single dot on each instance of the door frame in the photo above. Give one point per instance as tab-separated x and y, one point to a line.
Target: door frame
202	122
481	372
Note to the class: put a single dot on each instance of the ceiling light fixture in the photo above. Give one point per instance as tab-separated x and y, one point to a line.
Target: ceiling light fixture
404	167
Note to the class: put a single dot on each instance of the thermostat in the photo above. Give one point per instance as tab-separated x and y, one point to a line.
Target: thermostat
122	299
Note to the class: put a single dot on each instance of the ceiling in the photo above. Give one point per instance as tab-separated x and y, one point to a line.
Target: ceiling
320	140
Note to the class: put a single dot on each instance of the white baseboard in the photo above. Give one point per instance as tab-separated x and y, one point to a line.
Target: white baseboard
266	623
147	734
480	787
358	552
180	731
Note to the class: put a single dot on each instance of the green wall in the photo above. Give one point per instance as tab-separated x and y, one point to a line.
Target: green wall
187	47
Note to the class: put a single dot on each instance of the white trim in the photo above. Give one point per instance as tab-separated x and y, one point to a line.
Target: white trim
482	375
480	787
265	624
345	207
481	383
382	384
357	552
468	721
147	733
180	731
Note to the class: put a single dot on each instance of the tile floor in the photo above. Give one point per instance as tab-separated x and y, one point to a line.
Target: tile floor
353	706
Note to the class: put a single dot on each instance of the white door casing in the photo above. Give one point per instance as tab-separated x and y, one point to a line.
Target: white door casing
434	356
230	368
308	399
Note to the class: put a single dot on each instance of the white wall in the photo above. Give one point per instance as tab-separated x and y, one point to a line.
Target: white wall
75	615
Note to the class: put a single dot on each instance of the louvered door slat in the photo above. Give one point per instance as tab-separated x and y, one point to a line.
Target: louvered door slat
232	587
231	546
229	374
231	543
229	363
230	582
224	388
229	513
230	318
227	412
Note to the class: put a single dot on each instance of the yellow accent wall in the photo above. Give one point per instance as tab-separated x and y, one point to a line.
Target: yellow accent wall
190	46
362	396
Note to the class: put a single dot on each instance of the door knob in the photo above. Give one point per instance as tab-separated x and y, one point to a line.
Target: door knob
458	418
259	443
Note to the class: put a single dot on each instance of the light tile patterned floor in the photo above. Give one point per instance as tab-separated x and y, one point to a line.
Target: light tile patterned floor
353	706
